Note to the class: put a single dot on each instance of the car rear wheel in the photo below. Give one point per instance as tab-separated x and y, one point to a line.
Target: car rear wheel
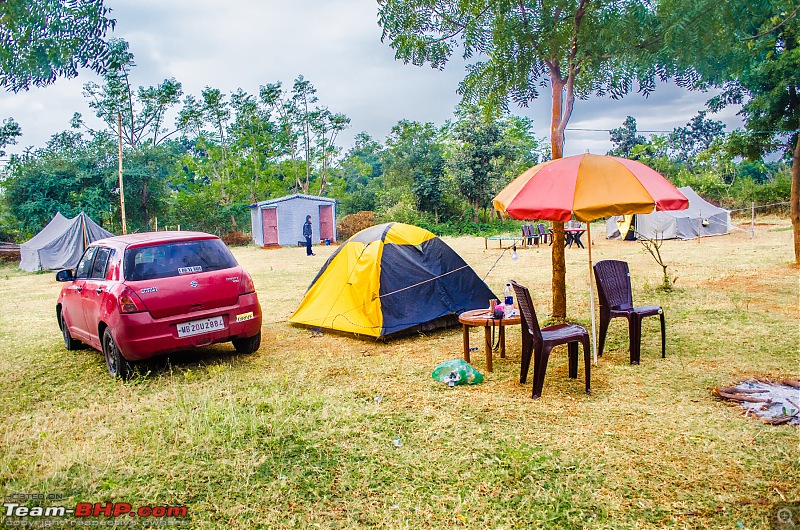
117	365
247	345
69	343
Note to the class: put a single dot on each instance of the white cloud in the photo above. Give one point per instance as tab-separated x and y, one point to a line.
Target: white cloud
336	45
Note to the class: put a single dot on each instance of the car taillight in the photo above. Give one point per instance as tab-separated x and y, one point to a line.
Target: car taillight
246	284
129	302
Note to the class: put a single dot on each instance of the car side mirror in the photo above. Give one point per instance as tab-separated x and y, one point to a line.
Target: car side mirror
66	275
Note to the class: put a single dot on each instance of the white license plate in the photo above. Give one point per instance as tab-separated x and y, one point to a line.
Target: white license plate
197	327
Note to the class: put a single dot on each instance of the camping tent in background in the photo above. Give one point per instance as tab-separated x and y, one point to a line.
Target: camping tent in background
701	217
389	278
60	244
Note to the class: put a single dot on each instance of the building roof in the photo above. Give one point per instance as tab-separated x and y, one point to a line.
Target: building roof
292	197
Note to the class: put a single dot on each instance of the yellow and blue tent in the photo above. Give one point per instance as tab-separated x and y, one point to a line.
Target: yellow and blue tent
390	278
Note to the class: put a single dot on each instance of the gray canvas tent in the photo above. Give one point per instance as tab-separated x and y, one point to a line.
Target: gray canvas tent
60	244
701	218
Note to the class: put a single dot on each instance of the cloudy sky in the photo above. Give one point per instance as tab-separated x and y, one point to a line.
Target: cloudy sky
336	45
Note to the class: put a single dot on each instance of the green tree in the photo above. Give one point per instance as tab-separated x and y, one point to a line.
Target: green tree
476	162
361	171
413	161
697	136
307	130
625	139
326	126
137	117
70	174
46	39
576	46
522	147
9	132
273	96
754	55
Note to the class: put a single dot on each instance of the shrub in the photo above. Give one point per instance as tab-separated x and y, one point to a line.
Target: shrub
235	238
353	223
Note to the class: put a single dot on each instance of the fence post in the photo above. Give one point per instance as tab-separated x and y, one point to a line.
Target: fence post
753	220
699	226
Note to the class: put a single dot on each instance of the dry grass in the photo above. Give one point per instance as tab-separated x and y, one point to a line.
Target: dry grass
293	436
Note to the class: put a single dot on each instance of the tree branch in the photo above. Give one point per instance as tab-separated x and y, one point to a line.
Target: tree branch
660	38
767	31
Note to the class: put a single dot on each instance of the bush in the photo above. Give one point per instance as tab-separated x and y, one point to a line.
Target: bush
354	223
402	212
235	238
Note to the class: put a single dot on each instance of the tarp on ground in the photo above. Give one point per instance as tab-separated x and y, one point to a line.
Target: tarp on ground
60	244
700	218
391	278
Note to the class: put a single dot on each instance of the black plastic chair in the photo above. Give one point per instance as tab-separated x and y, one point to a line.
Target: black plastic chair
540	341
543	235
616	300
530	234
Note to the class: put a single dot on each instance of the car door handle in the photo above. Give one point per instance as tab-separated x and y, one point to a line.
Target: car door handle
98	291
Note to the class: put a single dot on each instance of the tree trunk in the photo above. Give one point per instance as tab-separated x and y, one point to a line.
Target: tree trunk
558	258
795	200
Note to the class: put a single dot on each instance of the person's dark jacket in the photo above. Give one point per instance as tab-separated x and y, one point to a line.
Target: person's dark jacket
307	229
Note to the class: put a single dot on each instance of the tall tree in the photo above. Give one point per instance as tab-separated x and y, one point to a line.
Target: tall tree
69	174
327	126
516	46
142	111
413	160
9	132
46	39
752	50
697	136
476	160
136	116
303	96
625	138
273	96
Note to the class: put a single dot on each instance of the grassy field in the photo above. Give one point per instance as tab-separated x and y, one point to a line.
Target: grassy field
301	433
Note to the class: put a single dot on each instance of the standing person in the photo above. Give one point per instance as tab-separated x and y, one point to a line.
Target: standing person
307	235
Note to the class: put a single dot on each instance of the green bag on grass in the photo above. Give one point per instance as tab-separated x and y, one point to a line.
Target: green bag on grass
457	372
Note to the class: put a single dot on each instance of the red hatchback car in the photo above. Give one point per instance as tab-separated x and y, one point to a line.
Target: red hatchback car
141	295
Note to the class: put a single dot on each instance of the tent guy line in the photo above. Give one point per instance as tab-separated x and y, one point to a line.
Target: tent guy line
344	314
422	282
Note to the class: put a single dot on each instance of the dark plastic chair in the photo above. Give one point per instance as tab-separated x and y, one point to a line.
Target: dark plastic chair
531	236
543	235
540	341
616	300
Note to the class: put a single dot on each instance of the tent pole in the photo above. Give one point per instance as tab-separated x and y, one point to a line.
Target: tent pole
591	290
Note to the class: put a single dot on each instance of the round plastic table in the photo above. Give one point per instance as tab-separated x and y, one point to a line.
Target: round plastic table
483	318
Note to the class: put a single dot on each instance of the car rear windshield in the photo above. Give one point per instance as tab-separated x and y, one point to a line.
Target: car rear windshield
177	259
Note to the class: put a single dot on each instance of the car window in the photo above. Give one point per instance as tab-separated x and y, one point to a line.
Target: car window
85	265
100	265
177	259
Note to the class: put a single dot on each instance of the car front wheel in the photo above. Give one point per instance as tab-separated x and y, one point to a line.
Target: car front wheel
69	343
117	365
247	345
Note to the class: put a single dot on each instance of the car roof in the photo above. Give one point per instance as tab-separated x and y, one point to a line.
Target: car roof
151	238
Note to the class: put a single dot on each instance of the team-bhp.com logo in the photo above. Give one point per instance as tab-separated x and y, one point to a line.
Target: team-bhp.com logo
116	514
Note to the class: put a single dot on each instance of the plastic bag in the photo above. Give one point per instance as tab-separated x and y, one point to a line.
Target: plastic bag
457	372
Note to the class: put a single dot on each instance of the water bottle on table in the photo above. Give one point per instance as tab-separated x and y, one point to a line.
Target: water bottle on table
508	300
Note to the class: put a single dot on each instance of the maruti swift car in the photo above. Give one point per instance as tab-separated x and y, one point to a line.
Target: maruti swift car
141	295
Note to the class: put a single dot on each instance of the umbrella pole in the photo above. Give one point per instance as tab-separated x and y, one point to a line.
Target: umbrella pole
591	291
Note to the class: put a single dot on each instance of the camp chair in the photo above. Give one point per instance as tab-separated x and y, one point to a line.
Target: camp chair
530	235
614	287
540	341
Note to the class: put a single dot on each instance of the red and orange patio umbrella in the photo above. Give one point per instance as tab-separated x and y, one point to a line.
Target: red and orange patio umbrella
588	187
